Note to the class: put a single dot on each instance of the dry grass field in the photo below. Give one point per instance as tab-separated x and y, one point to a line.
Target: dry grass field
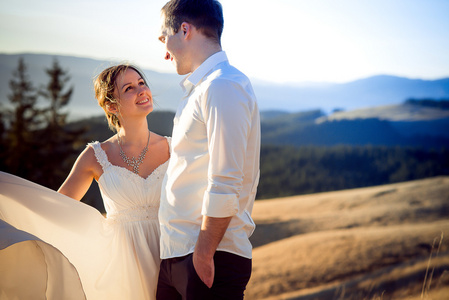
384	242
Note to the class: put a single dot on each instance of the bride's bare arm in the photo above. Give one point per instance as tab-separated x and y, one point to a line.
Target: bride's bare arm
80	178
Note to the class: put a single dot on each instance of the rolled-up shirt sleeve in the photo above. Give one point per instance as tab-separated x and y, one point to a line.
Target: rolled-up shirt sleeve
227	116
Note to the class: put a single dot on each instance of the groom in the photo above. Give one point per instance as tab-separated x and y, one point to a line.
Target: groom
211	181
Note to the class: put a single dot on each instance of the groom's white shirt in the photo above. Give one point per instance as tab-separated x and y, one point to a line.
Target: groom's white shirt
214	164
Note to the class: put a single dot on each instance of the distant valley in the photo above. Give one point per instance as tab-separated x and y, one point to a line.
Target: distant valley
411	123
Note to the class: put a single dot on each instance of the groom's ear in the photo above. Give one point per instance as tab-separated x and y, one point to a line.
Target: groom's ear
186	29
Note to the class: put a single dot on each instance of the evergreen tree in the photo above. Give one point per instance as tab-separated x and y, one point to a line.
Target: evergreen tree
60	145
18	131
55	92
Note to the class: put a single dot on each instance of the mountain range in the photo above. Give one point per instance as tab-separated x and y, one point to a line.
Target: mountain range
292	97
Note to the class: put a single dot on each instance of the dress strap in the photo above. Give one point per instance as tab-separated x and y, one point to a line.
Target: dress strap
101	156
169	143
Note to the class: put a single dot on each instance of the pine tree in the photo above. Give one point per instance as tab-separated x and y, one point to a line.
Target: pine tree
60	144
56	94
18	131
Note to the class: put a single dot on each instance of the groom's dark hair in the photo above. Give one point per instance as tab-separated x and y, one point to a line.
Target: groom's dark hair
205	15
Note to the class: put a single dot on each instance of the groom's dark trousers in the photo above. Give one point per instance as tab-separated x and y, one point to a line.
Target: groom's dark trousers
178	279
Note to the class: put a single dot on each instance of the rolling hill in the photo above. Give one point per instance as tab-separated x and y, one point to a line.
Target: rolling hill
383	242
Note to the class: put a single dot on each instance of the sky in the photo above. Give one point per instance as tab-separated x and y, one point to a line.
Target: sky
284	41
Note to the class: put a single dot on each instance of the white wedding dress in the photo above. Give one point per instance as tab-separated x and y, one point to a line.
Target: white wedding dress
116	257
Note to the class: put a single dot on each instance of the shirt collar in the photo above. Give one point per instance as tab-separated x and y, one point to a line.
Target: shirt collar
196	76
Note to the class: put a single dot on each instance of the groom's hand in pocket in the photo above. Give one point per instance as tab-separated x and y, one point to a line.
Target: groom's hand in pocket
212	231
204	268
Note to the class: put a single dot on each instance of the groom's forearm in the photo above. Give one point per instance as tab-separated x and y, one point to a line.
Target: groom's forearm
211	234
212	231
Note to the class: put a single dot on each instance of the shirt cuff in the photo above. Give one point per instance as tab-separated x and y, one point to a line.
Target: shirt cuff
219	205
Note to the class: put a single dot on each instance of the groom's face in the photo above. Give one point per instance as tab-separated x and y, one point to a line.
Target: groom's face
174	48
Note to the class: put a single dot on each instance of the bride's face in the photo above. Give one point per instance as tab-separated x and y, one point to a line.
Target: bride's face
133	94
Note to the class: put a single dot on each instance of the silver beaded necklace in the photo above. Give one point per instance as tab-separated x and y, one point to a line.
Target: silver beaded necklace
134	162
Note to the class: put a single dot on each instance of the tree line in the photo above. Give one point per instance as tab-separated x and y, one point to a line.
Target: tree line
290	170
429	102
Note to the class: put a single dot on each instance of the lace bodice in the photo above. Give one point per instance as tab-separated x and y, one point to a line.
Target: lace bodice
126	195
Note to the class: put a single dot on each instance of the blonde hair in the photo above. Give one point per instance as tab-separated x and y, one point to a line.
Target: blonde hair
104	86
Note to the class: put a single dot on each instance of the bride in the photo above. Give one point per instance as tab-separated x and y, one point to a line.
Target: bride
116	257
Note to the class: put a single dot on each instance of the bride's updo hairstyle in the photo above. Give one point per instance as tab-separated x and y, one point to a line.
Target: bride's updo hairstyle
104	86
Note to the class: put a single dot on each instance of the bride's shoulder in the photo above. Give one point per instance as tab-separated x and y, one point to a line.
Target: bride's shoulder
87	158
107	144
159	139
94	157
161	144
94	150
